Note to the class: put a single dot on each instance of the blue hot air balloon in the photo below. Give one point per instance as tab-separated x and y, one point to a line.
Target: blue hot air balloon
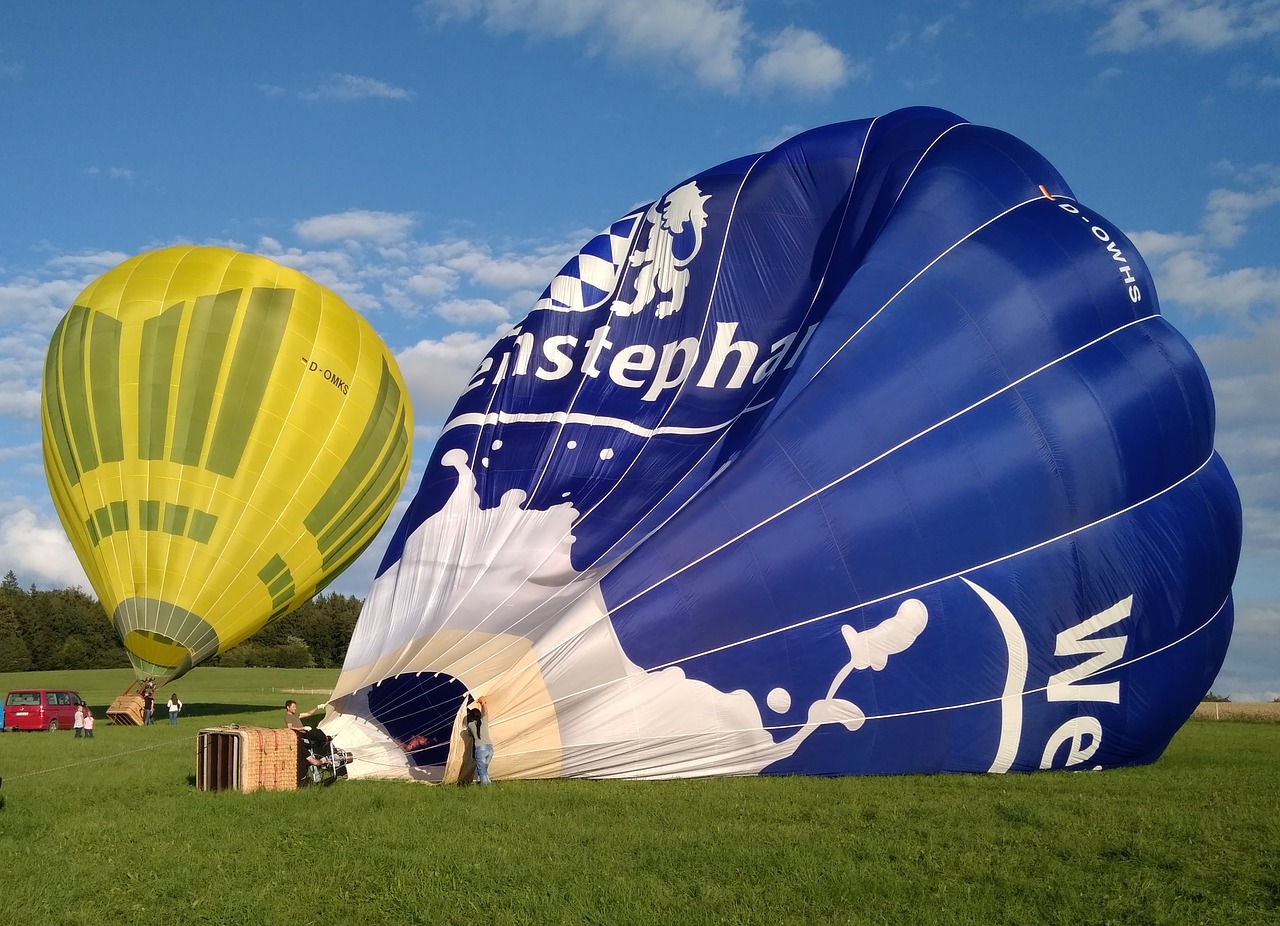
867	454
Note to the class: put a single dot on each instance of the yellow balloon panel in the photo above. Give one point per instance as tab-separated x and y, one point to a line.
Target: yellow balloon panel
222	436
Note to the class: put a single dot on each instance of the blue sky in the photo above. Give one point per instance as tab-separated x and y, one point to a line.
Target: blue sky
437	162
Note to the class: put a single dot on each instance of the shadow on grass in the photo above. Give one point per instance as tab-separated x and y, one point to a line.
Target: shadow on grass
216	709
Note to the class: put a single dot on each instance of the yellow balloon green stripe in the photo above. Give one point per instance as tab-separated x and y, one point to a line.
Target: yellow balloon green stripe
257	352
75	406
346	502
372	497
206	345
86	421
278	580
104	376
155	374
55	424
339	557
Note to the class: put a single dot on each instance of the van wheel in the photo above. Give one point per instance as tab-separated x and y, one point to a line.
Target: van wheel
53	725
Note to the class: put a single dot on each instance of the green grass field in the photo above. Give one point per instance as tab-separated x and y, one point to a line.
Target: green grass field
113	831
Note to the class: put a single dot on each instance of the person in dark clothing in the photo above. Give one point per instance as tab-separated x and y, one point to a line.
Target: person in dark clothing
482	744
305	742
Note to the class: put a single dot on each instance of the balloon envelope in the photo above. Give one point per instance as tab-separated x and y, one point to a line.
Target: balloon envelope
868	454
222	436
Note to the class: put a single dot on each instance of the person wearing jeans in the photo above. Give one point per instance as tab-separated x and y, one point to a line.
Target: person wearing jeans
482	745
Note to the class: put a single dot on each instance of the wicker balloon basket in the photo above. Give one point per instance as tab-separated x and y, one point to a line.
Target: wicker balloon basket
247	759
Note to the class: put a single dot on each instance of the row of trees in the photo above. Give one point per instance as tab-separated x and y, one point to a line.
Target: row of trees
66	629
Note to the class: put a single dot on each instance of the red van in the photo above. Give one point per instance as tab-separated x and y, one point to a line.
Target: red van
41	709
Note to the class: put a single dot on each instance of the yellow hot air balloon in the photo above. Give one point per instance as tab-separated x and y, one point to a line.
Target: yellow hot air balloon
222	436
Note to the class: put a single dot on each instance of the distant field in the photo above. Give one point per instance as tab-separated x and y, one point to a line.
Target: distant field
113	831
1245	710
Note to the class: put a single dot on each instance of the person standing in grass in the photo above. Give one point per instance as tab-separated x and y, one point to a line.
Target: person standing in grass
88	723
174	707
78	723
148	704
482	745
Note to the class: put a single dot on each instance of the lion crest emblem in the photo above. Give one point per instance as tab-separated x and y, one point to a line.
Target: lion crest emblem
670	241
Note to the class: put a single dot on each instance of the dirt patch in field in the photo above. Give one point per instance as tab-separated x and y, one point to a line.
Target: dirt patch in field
1244	710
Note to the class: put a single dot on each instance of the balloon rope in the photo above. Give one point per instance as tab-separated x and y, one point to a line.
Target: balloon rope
106	758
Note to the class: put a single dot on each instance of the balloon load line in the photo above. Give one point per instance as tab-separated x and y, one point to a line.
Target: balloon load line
98	760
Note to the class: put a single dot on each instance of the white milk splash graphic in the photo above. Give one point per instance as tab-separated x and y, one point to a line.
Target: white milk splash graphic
490	597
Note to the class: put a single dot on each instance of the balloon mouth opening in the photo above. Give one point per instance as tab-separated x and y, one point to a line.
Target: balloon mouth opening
418	711
163	640
154	654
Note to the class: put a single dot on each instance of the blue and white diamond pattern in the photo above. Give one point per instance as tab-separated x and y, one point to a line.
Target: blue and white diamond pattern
591	277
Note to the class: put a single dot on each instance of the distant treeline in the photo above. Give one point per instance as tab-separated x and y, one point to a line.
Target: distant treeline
67	629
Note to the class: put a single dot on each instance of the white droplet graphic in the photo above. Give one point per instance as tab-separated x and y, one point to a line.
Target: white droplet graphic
606	454
779	700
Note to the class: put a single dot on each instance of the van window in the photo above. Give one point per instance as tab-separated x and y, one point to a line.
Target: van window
23	699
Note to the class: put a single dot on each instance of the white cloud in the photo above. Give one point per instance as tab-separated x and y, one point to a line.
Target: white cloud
701	36
937	27
1193	280
19	401
710	40
1259	617
436	372
803	60
432	282
1227	211
114	173
1246	381
346	88
920	35
511	271
35	547
471	312
1108	76
1188	267
27	298
30	307
1249	672
1154	245
1201	25
357	225
1246	75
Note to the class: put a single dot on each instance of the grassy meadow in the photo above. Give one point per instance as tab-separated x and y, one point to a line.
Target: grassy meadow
113	831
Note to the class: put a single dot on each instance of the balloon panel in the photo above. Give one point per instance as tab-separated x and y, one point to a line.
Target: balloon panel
868	454
222	436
